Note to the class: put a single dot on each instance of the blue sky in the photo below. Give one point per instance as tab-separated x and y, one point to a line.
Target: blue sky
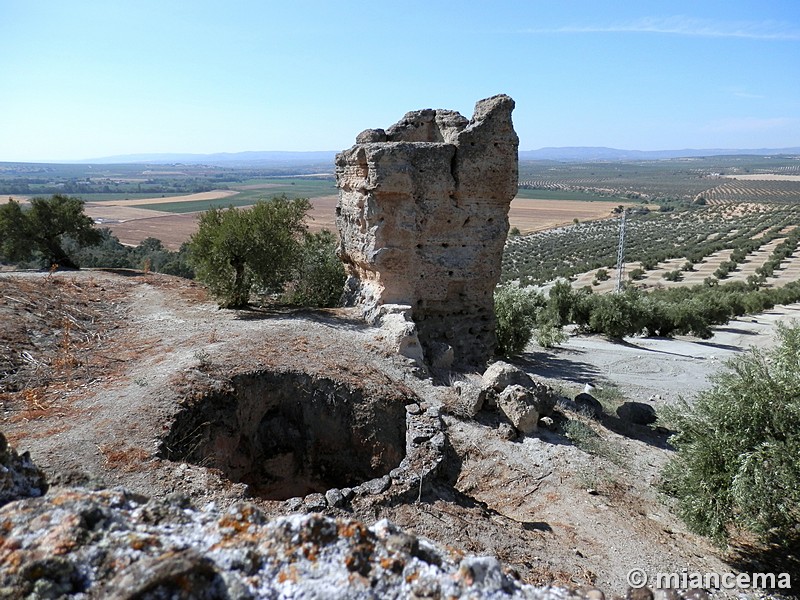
85	78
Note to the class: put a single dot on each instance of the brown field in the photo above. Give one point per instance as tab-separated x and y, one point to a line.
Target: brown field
174	229
531	215
765	177
212	195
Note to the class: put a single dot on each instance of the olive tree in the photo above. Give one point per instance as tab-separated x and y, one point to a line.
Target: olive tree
236	249
41	231
738	448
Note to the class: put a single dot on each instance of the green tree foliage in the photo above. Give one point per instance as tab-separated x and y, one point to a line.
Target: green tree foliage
515	309
150	254
319	276
235	250
42	231
738	448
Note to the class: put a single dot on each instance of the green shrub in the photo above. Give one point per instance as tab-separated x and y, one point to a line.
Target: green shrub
602	275
636	274
515	309
738	448
319	277
675	275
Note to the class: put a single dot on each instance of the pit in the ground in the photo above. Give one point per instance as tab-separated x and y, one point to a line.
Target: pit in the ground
289	434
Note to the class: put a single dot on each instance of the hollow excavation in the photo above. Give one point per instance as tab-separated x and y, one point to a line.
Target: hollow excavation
287	434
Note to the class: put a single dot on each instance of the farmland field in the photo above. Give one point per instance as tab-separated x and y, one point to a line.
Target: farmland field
701	209
721	242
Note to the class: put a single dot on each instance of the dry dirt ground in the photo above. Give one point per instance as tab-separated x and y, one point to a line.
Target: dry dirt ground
94	366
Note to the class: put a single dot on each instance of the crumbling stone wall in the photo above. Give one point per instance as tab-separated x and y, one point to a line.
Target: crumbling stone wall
423	217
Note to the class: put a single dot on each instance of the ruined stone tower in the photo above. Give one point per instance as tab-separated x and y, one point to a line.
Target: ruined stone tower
423	217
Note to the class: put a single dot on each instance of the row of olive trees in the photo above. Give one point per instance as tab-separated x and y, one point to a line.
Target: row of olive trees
523	313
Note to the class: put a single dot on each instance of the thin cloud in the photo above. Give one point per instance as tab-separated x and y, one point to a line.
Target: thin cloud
685	26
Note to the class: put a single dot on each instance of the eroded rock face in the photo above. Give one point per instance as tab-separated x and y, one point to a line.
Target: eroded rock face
423	217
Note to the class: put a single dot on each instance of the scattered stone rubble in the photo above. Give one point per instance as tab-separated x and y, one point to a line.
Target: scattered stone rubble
75	543
422	218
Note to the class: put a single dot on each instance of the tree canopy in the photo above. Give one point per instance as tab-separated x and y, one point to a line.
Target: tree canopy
40	231
265	247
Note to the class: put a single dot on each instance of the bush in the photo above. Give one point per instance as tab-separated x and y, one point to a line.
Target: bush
515	309
636	274
738	448
675	275
602	275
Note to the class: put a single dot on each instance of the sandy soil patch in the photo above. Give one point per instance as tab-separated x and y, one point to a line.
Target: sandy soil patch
20	199
171	228
531	215
212	195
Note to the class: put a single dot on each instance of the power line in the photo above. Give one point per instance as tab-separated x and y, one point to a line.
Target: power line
621	253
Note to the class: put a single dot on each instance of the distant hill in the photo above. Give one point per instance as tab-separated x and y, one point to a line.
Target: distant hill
599	153
278	158
226	159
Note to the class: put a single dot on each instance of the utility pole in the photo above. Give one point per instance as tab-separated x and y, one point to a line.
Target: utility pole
621	253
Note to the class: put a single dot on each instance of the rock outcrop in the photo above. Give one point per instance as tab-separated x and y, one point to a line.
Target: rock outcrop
423	217
19	477
76	543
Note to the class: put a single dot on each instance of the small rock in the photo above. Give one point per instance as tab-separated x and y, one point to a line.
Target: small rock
413	408
520	406
594	594
376	486
314	502
547	422
294	504
642	593
19	477
470	399
334	497
501	374
507	432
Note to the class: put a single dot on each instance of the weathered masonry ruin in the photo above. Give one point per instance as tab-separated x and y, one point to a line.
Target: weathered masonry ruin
423	218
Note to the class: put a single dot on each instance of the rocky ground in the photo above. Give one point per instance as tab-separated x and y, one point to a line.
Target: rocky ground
96	366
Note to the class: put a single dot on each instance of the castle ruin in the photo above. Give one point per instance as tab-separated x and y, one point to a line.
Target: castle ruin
422	219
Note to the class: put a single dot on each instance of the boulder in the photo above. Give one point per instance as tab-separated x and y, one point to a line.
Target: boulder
588	404
637	412
520	406
501	374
